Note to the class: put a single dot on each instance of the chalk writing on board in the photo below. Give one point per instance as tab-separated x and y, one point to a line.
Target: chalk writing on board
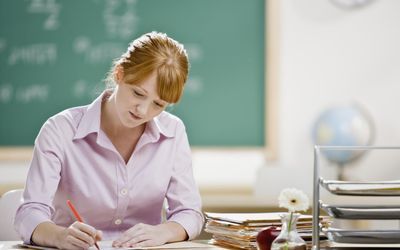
83	89
6	92
49	7
34	92
120	19
97	53
33	54
194	85
194	51
79	89
25	94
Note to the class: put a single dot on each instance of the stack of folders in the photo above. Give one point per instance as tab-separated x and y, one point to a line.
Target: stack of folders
239	230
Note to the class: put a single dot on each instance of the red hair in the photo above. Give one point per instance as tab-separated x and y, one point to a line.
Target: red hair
156	52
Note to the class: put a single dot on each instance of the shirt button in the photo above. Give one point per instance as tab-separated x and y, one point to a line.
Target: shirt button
117	221
124	191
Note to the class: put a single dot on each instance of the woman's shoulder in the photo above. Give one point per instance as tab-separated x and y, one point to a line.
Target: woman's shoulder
170	121
66	120
69	115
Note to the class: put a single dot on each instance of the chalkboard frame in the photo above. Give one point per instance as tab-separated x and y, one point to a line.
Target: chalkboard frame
270	148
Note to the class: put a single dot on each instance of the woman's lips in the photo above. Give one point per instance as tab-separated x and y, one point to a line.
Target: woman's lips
134	116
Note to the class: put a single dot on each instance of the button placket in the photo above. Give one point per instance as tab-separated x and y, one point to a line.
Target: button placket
123	200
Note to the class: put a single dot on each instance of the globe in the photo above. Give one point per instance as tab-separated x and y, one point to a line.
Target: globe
347	125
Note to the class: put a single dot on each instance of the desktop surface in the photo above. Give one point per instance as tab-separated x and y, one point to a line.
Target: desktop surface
201	245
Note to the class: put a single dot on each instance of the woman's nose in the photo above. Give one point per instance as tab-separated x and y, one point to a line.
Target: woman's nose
142	108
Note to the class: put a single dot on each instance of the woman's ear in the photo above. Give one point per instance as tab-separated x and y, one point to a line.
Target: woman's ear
119	74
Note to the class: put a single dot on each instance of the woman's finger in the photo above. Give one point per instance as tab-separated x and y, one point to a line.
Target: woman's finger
83	236
77	243
147	243
88	229
128	235
133	241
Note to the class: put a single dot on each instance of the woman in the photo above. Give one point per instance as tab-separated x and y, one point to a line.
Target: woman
117	160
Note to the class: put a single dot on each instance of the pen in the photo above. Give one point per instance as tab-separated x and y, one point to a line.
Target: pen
78	217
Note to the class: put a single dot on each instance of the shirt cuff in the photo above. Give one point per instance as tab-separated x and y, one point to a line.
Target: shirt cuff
29	223
191	221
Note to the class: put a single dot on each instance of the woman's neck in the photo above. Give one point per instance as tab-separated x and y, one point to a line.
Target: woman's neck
110	122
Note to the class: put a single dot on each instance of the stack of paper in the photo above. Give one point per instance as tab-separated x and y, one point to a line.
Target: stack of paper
240	230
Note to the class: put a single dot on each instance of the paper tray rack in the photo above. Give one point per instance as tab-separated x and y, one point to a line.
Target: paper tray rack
351	188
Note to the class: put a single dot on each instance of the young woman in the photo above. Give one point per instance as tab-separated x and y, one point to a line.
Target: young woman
117	160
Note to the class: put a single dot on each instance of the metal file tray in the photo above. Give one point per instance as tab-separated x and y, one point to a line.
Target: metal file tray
363	212
363	236
370	188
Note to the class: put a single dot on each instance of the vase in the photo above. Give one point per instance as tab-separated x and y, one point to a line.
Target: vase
289	239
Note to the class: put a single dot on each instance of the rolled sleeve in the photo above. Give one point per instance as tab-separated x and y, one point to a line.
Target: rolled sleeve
29	217
191	221
184	202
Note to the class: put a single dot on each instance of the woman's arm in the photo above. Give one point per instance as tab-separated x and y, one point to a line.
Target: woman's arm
176	231
42	181
33	217
184	201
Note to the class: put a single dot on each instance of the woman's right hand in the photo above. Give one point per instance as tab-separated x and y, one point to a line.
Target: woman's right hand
77	236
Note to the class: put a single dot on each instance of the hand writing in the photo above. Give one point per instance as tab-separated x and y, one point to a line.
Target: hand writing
78	236
143	235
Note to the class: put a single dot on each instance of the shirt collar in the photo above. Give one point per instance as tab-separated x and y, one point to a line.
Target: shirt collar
90	122
155	128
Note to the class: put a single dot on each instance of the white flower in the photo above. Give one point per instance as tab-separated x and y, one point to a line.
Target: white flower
293	199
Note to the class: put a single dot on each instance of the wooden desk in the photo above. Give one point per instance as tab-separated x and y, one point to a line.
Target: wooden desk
103	245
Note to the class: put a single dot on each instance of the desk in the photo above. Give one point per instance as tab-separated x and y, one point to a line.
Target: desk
14	246
200	245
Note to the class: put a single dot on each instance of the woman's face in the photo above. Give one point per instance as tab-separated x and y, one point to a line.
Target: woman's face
137	104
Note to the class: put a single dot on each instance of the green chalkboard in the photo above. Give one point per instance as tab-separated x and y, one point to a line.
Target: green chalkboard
54	55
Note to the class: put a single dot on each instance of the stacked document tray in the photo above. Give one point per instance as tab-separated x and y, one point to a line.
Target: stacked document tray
369	238
381	212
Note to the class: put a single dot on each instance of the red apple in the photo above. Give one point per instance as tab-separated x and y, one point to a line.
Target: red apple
266	236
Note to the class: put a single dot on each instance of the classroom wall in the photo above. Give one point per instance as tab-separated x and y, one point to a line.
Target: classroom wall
331	56
327	56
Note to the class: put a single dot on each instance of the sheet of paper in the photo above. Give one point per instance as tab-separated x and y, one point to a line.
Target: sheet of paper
180	245
245	218
34	247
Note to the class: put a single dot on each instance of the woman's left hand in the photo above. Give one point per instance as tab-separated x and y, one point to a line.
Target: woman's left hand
144	235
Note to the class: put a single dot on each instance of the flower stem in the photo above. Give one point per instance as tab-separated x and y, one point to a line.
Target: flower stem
290	221
288	230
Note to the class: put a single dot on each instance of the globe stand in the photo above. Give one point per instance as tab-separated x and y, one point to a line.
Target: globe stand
340	174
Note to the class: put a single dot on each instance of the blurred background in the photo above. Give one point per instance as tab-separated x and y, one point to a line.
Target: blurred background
268	80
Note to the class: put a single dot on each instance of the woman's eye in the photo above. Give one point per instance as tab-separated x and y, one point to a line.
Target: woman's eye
138	93
159	105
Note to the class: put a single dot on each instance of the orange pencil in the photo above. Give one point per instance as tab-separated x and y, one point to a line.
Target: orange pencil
78	217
